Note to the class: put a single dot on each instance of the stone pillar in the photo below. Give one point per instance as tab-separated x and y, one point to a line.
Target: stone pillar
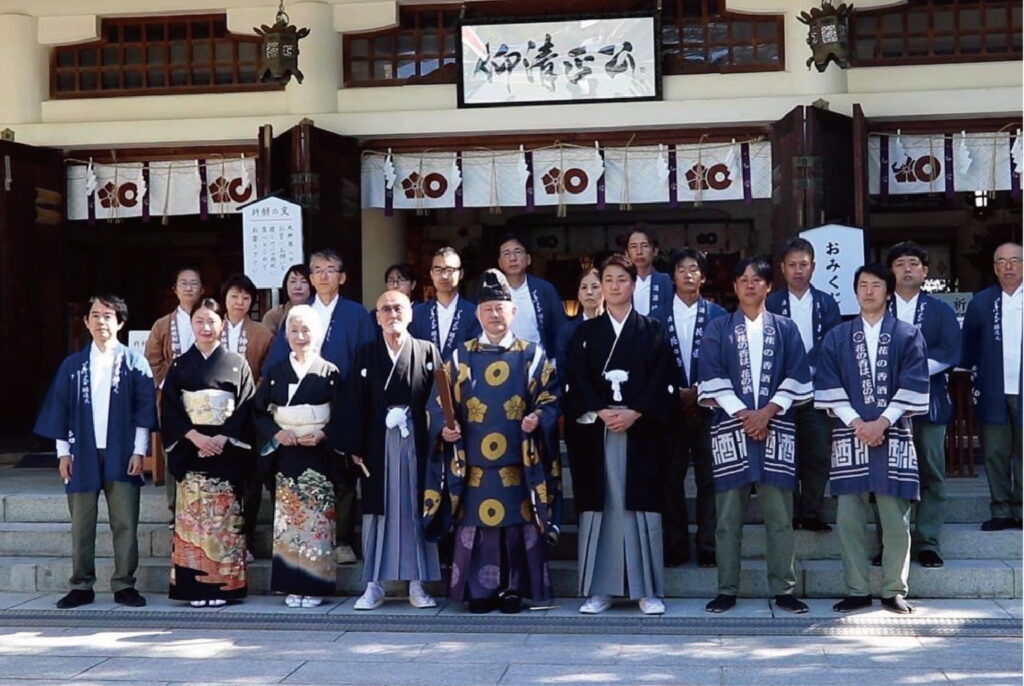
319	60
25	78
383	245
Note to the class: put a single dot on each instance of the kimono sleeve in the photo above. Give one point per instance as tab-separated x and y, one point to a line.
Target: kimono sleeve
973	334
143	394
155	347
335	429
829	392
54	416
544	395
263	420
714	381
657	399
946	350
581	396
911	394
796	387
174	420
352	411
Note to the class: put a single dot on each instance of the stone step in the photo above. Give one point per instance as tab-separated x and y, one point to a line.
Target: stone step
815	578
959	541
968	504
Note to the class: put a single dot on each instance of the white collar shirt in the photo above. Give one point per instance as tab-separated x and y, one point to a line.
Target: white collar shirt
524	326
685	318
906	309
755	347
101	372
1012	321
235	334
445	317
186	336
801	311
642	293
325	312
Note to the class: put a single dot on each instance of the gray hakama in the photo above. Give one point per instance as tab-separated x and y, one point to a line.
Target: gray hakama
620	550
394	548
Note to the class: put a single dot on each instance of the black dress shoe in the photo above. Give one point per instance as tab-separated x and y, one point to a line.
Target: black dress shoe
129	597
897	604
852	602
722	603
481	606
1018	524
815	525
676	560
75	598
876	561
706	558
998	524
510	603
790	603
929	558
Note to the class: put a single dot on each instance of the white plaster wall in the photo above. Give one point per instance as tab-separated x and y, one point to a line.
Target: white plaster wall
383	245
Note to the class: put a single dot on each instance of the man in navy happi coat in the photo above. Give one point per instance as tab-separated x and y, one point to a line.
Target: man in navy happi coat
540	313
449	319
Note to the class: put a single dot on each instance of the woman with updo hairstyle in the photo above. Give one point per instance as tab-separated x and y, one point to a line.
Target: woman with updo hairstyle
204	422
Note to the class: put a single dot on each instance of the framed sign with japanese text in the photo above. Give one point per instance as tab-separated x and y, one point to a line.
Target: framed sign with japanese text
558	60
271	239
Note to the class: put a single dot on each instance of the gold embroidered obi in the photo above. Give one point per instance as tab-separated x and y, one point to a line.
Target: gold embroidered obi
209	407
301	420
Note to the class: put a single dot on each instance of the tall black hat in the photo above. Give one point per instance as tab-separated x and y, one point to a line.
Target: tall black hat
493	286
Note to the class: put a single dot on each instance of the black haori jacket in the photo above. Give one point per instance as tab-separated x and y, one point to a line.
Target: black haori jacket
644	353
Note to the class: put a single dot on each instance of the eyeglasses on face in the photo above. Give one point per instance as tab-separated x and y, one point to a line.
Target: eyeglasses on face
515	252
326	271
1003	262
444	271
397	281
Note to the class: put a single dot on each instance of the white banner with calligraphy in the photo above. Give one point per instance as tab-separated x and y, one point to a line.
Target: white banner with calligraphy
959	162
566	176
723	172
561	61
838	254
271	240
494	179
636	174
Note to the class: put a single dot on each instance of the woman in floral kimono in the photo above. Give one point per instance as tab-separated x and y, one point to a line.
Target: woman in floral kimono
204	422
294	410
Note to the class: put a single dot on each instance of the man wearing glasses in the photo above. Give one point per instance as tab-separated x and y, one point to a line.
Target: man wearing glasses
540	309
400	277
449	319
347	325
992	351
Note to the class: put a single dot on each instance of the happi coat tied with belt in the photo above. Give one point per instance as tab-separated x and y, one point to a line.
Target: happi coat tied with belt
983	355
376	385
845	378
426	325
784	376
824	315
634	369
942	337
66	415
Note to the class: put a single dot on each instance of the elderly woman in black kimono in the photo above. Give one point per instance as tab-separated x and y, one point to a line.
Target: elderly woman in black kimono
295	410
204	422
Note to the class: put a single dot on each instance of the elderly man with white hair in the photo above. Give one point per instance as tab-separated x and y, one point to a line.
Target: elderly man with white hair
385	433
295	411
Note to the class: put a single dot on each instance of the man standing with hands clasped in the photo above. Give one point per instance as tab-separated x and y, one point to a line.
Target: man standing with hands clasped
100	410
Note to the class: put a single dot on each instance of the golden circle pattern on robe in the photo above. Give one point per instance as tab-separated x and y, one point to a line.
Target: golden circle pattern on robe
496	373
492	512
493	446
431	502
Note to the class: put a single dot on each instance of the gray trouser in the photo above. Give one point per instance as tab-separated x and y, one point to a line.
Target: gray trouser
777	506
123	506
930	442
852	516
1001	444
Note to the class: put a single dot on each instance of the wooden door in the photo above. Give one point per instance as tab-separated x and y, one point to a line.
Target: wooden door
32	265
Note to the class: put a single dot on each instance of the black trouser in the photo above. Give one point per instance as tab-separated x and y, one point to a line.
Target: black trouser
345	502
692	445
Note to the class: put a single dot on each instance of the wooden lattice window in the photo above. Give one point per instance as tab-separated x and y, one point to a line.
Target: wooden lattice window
421	49
701	36
158	56
937	32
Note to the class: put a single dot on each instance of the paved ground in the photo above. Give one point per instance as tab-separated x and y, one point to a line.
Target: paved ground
959	641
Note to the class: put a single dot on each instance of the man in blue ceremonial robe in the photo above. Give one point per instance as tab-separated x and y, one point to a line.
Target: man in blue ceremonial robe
653	288
872	375
815	313
992	351
937	321
753	369
99	411
685	318
498	466
449	319
347	325
540	313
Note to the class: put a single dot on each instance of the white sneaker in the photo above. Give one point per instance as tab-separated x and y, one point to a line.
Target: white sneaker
311	600
293	600
197	603
344	555
596	604
372	598
220	602
418	597
652	606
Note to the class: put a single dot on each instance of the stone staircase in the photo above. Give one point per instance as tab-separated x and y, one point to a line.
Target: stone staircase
35	541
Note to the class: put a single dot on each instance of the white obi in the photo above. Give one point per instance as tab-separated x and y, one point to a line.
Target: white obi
210	407
301	420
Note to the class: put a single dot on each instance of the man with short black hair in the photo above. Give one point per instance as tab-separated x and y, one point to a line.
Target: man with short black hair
99	411
449	319
873	375
815	313
753	369
540	310
937	321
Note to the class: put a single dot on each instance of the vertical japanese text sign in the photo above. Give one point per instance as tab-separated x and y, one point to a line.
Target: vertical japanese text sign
838	253
271	240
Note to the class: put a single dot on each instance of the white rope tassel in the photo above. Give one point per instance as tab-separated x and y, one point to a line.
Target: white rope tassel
167	196
561	181
495	200
698	198
421	191
626	195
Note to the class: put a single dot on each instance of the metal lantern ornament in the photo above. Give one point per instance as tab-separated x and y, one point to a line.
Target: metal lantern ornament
828	34
279	51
